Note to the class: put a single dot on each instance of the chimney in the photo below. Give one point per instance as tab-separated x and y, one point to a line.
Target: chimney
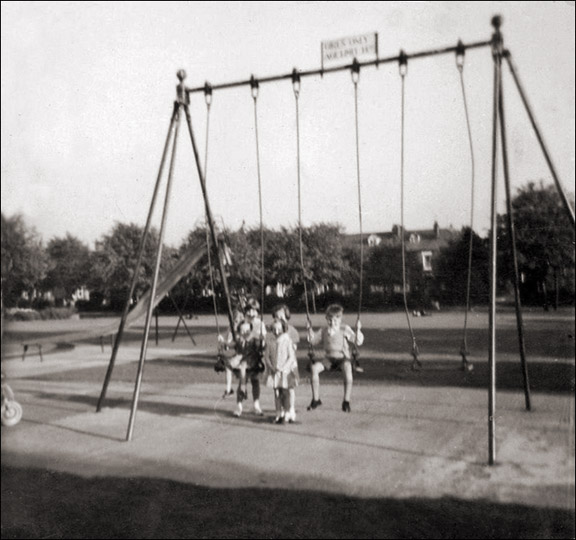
397	231
436	230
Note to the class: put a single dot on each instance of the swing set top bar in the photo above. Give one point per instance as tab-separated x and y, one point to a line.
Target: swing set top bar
460	48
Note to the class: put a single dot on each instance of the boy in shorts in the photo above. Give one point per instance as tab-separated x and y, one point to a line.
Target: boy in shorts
335	339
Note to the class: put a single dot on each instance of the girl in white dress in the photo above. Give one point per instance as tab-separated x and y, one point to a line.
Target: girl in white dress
282	367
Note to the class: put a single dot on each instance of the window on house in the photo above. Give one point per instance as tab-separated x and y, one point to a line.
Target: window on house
427	261
374	240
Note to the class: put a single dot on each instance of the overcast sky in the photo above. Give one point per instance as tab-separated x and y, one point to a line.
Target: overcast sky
88	87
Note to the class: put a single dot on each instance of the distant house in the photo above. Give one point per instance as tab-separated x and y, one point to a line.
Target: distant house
426	244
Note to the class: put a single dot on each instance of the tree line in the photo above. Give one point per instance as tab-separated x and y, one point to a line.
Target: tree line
544	236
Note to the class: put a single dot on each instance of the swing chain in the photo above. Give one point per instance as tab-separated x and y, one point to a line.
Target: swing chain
416	364
355	71
208	93
296	82
403	63
460	51
254	85
311	354
466	364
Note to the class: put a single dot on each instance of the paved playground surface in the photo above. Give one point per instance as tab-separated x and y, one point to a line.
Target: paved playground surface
409	461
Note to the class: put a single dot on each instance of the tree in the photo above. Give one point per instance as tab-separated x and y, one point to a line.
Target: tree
384	271
324	259
245	271
114	260
283	256
24	260
69	265
451	275
544	240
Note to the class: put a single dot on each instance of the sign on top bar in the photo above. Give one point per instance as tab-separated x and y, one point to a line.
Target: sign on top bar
343	51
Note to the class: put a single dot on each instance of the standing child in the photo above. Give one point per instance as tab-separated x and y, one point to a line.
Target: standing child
282	312
280	358
336	339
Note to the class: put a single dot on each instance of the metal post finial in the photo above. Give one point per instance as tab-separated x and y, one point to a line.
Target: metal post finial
497	41
496	22
181	92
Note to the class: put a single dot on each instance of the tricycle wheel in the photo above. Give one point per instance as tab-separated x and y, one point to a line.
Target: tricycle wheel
11	413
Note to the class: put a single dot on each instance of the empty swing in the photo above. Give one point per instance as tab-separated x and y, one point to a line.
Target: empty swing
221	345
296	88
254	86
355	351
403	69
466	364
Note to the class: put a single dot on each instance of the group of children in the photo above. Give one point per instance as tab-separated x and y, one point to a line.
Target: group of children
256	354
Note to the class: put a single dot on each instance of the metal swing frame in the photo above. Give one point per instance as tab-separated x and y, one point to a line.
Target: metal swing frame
499	53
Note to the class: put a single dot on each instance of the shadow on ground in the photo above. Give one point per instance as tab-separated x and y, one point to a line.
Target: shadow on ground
43	504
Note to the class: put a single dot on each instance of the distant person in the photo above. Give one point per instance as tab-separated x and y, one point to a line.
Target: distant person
336	340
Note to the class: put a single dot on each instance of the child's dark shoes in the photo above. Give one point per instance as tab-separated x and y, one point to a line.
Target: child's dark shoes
315	403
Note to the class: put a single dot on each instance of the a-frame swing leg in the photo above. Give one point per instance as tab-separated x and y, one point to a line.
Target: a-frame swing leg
175	333
151	302
512	247
561	192
180	319
120	332
497	54
180	104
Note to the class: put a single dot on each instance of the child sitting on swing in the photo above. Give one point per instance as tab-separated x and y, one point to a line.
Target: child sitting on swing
224	345
251	315
336	340
246	365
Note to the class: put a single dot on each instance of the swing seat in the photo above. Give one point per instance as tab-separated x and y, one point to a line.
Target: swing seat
219	367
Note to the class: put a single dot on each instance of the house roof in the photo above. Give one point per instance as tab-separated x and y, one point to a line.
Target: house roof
426	239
